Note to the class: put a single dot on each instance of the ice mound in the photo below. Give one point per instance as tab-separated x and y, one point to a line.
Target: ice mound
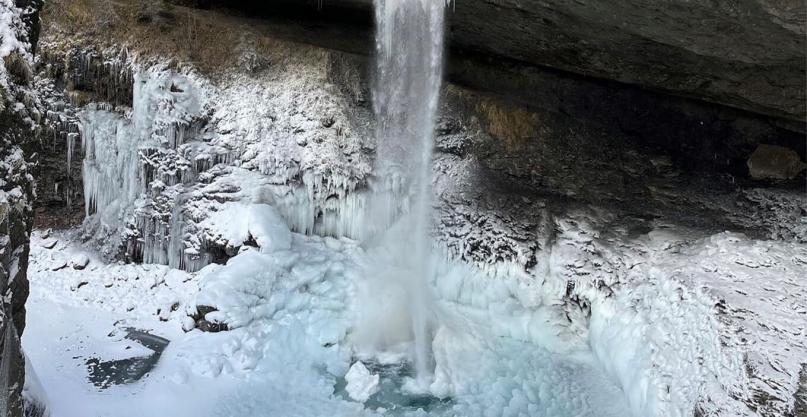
361	384
237	223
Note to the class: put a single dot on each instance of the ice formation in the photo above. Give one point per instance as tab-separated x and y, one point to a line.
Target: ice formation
173	160
119	150
290	317
361	384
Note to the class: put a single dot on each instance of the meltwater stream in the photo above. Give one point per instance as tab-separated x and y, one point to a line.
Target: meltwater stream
409	42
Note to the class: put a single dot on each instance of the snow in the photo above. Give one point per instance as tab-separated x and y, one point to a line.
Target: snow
236	223
33	392
290	316
11	26
80	261
656	346
361	384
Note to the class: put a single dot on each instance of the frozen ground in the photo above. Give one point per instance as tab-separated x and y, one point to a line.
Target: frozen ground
721	318
290	316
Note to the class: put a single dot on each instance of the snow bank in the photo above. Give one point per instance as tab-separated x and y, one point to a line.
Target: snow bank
237	223
662	342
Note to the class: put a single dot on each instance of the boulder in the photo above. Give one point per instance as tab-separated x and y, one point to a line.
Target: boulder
80	261
205	325
772	162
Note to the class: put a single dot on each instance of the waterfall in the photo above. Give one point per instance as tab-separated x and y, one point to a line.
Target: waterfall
409	47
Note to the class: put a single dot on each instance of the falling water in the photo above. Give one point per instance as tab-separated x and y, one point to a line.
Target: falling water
409	42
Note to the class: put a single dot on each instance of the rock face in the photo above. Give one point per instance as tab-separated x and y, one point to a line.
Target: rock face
19	116
16	219
698	130
748	54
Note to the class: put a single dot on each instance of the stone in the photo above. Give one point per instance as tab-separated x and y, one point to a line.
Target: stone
188	324
772	162
205	325
80	262
49	243
61	264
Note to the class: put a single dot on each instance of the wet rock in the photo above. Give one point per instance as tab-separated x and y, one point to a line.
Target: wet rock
772	162
49	243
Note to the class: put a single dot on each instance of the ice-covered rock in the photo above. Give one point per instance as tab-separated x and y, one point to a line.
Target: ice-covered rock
361	384
236	224
80	261
20	117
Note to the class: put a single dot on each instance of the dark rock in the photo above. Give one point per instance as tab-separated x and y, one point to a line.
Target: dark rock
748	54
328	121
17	133
800	407
18	68
210	327
206	325
683	120
30	10
774	163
